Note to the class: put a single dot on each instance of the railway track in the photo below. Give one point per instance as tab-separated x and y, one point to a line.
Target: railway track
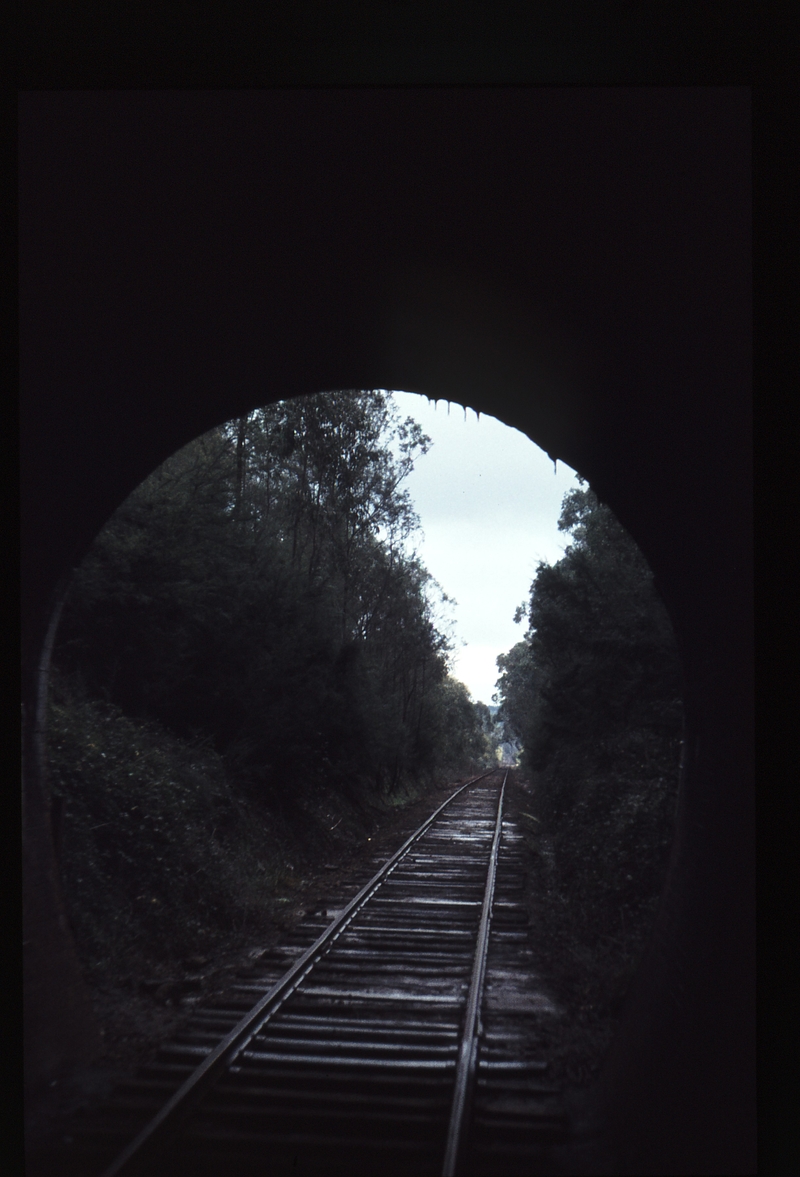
392	1033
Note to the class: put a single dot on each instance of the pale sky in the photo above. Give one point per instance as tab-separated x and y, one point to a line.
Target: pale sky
488	501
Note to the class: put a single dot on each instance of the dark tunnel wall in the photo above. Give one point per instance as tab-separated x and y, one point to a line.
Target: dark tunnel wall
575	262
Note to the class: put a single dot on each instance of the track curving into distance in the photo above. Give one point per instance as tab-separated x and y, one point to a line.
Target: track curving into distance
397	1041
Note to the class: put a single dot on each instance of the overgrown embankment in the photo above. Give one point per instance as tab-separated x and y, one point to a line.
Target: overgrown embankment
592	907
250	670
164	855
594	693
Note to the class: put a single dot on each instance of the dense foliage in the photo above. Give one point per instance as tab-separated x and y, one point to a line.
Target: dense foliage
259	588
162	855
251	667
157	851
593	692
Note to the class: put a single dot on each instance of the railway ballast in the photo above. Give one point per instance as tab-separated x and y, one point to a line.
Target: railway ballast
391	1033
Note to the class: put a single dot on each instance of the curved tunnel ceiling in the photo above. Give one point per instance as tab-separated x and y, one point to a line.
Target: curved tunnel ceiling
572	261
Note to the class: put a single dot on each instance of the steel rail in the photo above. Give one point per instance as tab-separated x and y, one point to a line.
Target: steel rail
168	1119
468	1051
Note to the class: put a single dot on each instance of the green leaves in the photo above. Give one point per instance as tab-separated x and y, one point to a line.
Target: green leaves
599	655
224	594
593	691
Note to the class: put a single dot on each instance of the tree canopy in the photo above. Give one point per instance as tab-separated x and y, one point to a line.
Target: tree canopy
593	691
261	587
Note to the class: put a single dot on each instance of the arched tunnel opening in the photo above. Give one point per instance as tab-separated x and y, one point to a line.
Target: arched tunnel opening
595	989
251	679
263	600
146	322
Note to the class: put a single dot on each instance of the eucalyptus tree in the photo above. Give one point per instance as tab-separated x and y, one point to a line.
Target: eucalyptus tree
594	692
260	587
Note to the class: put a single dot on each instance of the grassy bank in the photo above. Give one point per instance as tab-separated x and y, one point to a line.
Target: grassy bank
164	854
596	866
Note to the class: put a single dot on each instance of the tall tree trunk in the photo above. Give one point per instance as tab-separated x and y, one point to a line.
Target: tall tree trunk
241	442
421	703
299	511
312	561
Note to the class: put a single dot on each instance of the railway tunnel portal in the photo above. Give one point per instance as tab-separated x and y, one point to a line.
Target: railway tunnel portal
162	295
